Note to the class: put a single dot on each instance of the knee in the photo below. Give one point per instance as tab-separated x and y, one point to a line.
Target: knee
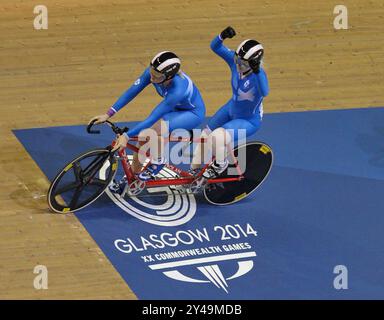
148	132
161	128
156	127
140	143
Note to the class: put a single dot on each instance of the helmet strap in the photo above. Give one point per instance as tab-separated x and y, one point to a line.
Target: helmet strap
166	79
247	72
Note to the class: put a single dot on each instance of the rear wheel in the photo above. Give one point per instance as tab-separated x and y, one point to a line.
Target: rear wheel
82	181
258	159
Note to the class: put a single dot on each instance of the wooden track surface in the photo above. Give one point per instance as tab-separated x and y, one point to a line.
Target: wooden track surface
94	49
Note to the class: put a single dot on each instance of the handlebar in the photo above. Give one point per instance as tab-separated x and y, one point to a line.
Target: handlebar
114	128
90	125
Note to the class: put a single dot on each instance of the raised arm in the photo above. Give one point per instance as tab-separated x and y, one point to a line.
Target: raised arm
220	49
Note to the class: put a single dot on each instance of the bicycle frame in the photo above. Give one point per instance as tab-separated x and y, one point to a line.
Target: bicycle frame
185	177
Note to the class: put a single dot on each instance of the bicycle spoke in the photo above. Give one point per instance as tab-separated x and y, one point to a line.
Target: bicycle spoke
66	188
75	198
94	164
77	171
88	179
98	182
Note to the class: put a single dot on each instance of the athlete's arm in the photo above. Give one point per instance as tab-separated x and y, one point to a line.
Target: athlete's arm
220	49
132	92
262	82
172	98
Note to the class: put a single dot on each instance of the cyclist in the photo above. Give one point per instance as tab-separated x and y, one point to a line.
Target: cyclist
245	109
182	107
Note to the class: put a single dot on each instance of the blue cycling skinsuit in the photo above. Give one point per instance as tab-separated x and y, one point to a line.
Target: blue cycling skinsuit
245	109
182	106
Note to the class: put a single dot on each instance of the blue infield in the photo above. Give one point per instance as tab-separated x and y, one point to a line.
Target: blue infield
322	206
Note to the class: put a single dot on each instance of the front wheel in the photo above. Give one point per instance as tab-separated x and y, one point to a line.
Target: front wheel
82	181
257	158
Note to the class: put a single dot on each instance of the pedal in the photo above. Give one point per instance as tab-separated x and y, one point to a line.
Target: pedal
116	187
197	185
135	188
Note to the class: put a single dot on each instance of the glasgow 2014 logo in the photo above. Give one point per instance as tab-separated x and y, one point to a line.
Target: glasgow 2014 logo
202	256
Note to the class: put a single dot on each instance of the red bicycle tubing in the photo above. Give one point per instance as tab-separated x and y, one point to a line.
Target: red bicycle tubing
176	181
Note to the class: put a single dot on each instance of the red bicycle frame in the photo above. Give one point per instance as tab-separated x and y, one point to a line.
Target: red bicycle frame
185	177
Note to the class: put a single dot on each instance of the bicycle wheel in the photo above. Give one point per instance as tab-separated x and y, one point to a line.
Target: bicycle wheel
258	158
82	181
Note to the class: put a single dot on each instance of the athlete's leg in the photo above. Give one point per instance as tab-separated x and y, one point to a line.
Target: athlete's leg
235	126
152	139
182	119
187	120
218	119
220	139
136	164
159	131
